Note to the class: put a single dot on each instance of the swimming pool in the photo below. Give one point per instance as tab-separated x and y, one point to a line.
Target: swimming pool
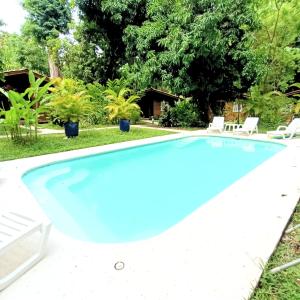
140	192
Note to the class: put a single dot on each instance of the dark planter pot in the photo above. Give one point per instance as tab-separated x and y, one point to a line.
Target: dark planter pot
124	125
71	129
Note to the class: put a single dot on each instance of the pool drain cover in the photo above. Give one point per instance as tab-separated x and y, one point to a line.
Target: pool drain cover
119	265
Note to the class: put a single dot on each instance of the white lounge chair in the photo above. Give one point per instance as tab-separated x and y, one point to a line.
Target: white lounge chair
249	126
217	125
286	131
13	228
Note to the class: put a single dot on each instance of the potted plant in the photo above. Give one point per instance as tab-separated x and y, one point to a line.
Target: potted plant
69	105
122	106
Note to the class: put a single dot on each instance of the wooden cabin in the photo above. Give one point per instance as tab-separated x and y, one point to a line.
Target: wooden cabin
18	81
151	102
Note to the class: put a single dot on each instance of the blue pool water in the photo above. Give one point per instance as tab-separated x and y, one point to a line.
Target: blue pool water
137	193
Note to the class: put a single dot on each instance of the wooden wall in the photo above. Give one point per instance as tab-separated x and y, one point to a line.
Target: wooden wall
231	116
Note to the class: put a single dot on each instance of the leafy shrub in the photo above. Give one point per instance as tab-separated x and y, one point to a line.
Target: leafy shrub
135	116
273	108
25	109
183	114
165	119
117	84
99	115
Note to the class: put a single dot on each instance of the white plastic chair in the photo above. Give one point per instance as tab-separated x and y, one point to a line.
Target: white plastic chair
14	227
249	126
217	125
286	131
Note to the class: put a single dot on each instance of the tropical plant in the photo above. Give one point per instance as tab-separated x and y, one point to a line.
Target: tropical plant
183	114
165	119
67	102
99	115
117	84
13	116
25	108
273	108
122	104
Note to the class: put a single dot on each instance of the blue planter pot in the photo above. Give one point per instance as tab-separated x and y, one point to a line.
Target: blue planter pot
71	129
124	125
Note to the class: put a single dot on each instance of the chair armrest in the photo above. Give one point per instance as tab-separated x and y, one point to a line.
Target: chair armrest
281	127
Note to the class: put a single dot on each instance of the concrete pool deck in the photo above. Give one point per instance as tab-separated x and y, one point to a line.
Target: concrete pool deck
216	253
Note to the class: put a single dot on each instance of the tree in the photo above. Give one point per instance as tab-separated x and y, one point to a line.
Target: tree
1	55
276	41
81	59
20	51
46	21
104	24
197	48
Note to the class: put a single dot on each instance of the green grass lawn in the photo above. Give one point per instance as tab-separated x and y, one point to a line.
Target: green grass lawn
284	285
5	132
58	143
2	130
82	126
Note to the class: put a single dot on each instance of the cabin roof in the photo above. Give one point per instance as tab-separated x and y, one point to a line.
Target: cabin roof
160	92
22	72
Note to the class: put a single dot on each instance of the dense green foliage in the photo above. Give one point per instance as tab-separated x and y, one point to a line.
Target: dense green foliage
273	108
1	54
196	48
47	18
210	51
276	42
183	114
21	51
99	115
104	24
81	59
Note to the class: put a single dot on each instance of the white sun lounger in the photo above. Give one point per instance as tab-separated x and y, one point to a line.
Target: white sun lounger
217	125
286	131
15	227
249	126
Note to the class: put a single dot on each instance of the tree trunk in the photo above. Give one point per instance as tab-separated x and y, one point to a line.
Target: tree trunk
54	70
